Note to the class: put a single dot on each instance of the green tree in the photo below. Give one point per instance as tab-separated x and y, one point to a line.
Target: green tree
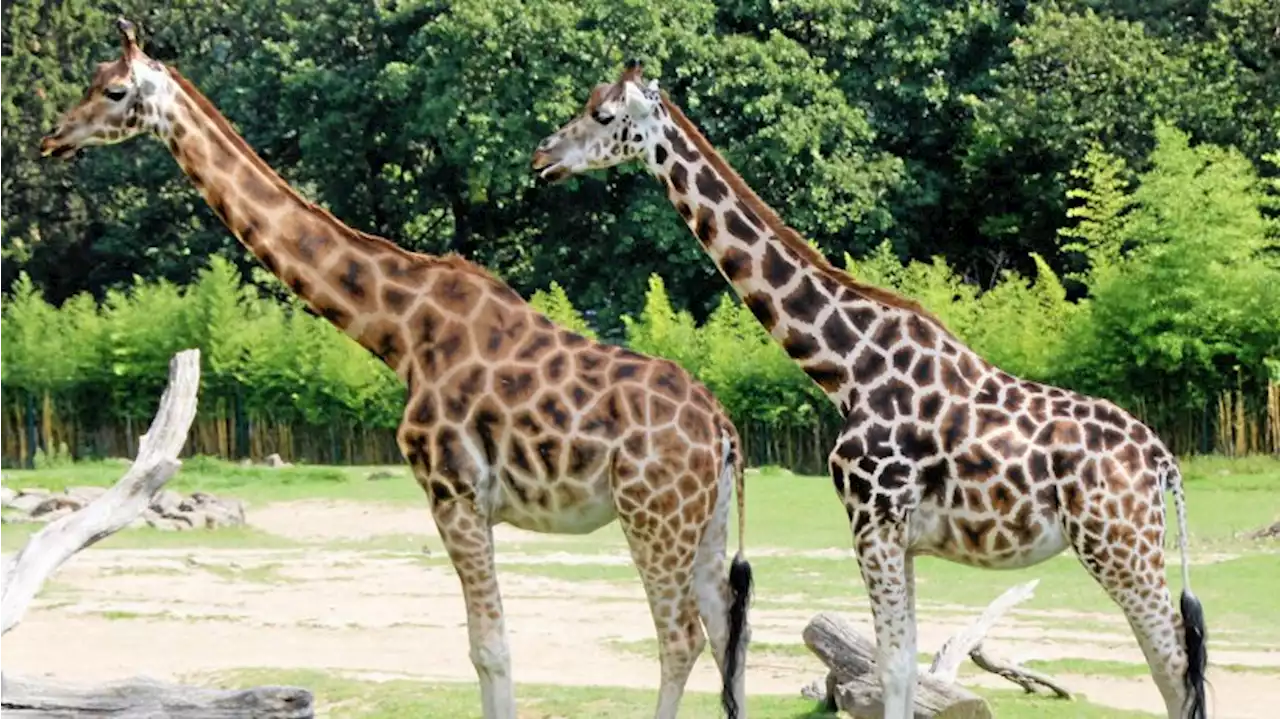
662	331
1197	298
555	304
1104	201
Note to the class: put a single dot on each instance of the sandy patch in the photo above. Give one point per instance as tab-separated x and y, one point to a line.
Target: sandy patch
319	520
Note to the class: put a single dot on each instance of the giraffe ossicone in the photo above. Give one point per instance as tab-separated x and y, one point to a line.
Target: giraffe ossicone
942	453
508	417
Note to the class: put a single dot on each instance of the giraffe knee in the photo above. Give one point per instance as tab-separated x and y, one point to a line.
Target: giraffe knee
491	659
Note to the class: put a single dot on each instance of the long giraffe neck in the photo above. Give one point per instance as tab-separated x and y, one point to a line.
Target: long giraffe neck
824	318
336	270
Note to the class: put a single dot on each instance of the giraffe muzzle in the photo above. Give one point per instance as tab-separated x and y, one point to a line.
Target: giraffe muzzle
541	159
548	168
50	145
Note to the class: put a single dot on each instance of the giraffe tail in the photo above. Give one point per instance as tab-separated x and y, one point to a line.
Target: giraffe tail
1195	706
740	582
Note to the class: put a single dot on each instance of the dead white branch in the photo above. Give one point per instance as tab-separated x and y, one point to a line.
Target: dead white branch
156	462
1026	678
946	663
147	699
854	687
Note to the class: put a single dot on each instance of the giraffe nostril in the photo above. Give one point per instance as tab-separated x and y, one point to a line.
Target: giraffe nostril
546	143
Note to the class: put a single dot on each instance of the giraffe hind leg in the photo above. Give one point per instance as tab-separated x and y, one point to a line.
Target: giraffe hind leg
666	566
1133	576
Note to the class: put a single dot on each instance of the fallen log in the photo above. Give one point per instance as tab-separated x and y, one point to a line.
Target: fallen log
851	658
853	685
149	699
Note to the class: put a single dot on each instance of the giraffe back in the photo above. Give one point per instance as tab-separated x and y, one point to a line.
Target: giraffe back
543	425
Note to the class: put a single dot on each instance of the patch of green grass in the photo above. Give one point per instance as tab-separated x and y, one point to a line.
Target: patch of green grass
123	615
649	648
254	484
258	573
1229	497
13	536
344	698
793	511
134	571
1235	593
1136	670
119	614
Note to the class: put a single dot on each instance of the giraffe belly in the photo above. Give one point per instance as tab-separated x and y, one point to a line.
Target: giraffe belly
973	540
561	506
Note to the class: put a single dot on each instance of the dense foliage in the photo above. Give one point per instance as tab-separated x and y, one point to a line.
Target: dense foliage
1184	303
1094	173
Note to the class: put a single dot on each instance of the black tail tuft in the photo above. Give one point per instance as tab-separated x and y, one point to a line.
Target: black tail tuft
740	588
1197	655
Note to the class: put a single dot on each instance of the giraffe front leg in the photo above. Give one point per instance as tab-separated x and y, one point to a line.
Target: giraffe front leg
888	573
468	538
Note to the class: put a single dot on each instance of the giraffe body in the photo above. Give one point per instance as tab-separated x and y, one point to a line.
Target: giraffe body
508	417
941	453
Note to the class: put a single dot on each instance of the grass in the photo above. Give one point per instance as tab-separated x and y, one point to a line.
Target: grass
253	484
1107	668
259	574
13	536
1236	592
346	698
123	615
649	648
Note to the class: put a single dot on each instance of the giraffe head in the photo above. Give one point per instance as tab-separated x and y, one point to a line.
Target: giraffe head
126	97
620	122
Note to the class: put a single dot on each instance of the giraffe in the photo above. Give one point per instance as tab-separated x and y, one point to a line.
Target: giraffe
508	417
941	453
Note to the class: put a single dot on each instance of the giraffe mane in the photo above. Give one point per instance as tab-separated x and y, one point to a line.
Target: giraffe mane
785	233
220	123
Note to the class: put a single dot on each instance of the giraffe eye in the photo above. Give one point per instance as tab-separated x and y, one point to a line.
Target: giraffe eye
601	117
115	94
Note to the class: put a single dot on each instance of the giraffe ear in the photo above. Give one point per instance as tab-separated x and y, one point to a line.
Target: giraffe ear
638	104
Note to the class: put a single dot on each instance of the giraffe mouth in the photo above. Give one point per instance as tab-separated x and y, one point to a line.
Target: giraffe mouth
555	174
51	148
548	169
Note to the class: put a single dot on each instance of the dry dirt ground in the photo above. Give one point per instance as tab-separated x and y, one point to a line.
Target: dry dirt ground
170	613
